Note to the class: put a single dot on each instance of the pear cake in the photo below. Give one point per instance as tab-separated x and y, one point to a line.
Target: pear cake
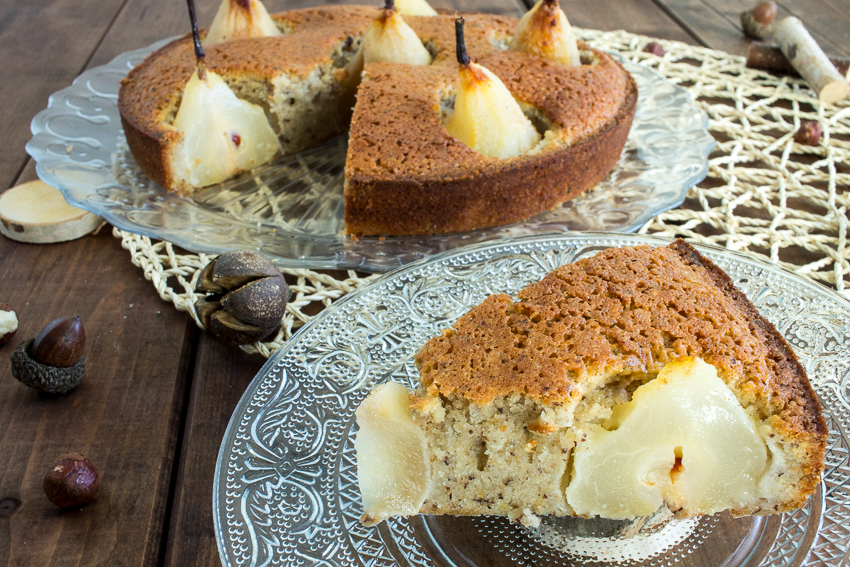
631	380
405	173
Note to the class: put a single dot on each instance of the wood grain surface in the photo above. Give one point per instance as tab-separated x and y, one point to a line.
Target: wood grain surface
158	393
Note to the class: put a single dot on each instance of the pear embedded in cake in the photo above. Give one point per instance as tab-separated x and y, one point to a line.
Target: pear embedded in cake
627	381
392	469
683	440
545	32
415	8
486	117
240	19
221	134
390	39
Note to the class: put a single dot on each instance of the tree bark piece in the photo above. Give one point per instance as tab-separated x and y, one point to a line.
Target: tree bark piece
809	60
769	57
35	212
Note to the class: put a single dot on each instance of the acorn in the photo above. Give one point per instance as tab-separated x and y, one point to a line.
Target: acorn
53	362
245	297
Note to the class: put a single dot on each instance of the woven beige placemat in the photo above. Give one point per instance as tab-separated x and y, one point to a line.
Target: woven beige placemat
764	194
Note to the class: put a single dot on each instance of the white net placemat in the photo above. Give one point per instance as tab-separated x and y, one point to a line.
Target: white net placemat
765	194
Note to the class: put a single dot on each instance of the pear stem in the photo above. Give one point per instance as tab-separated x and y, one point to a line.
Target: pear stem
551	4
245	4
196	36
462	55
389	5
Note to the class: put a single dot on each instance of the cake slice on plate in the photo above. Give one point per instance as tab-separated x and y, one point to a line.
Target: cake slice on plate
638	378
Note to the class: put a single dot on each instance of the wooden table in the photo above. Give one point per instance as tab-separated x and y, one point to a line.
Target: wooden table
158	393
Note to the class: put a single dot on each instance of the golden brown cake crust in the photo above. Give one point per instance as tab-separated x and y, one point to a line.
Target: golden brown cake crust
628	311
456	189
405	175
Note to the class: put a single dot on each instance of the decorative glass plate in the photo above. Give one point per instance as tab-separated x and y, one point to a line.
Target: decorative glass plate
285	490
292	209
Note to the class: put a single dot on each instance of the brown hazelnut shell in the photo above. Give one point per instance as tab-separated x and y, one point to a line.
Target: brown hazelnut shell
765	12
654	48
71	481
260	303
49	379
5	338
809	133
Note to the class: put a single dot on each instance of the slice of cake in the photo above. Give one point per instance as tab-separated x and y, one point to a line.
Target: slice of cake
298	78
637	378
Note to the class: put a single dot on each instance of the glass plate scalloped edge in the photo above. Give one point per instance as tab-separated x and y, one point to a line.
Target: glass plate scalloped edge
285	489
80	148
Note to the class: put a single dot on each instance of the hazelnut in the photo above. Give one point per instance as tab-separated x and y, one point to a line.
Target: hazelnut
809	133
247	297
61	343
8	323
52	362
71	481
655	48
756	22
765	12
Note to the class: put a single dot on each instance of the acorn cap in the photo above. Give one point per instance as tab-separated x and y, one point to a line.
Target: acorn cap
261	303
50	379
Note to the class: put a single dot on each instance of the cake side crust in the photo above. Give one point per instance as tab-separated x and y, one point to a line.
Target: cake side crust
490	193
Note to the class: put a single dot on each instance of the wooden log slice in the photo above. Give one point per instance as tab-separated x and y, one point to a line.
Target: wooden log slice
35	212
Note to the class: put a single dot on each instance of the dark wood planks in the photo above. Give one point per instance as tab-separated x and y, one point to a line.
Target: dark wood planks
125	415
637	16
44	45
222	374
717	24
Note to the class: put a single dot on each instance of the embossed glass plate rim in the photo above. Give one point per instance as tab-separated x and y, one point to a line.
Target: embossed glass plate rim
334	252
493	250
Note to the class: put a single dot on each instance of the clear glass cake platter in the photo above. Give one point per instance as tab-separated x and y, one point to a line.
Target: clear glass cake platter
285	490
291	210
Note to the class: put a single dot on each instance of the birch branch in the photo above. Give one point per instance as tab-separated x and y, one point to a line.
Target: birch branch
809	60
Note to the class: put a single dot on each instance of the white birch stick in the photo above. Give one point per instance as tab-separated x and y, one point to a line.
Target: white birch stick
809	60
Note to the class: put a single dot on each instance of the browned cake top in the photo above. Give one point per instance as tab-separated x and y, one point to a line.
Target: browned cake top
576	100
153	89
626	310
